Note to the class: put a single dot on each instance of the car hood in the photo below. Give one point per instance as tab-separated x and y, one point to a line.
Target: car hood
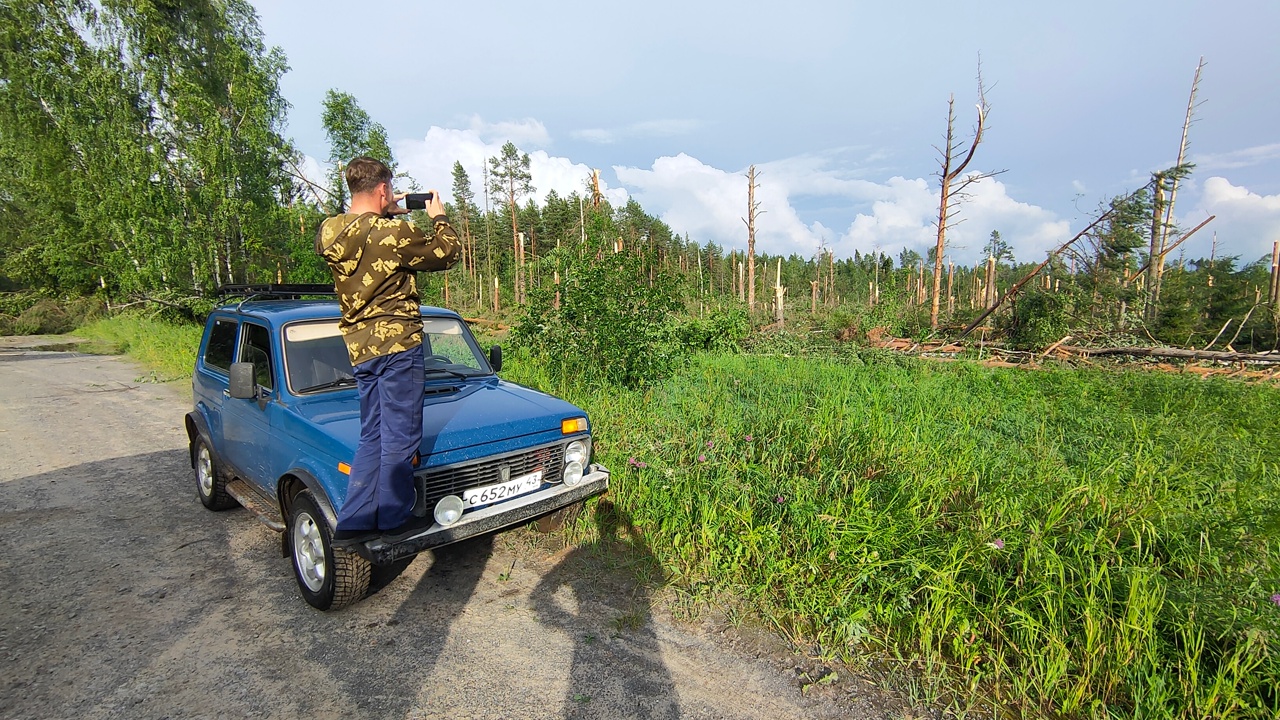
454	417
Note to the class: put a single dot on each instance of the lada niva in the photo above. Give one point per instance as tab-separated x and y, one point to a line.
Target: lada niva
276	420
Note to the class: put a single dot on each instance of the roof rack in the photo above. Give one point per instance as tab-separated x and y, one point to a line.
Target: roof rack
276	291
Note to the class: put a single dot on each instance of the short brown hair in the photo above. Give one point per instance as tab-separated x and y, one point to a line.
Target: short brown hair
365	174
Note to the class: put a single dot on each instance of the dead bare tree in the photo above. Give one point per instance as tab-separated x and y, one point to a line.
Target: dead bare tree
953	191
1162	215
753	210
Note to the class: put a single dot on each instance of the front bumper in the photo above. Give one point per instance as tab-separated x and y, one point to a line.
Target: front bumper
516	511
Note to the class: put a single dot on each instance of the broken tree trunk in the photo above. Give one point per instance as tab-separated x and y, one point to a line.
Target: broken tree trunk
1275	276
949	176
1165	352
1018	285
753	209
778	293
1181	239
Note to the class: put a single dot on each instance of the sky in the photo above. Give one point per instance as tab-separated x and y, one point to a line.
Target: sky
840	106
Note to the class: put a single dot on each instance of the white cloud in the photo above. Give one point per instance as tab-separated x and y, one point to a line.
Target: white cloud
430	160
709	203
1235	159
648	128
1247	223
524	133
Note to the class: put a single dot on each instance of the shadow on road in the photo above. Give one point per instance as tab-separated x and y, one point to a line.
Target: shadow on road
620	663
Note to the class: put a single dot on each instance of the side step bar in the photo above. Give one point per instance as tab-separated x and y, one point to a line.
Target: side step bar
257	502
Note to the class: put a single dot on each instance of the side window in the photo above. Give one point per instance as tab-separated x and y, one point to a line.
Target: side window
256	348
222	345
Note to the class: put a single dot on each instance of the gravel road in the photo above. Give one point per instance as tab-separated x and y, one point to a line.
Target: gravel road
121	596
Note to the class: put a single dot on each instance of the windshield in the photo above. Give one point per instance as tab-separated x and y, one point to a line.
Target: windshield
316	357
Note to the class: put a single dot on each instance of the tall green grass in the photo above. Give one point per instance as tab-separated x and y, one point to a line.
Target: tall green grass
1073	543
169	348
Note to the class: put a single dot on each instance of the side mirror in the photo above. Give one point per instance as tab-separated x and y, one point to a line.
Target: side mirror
495	358
243	386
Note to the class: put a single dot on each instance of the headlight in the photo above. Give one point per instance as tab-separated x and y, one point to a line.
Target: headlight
576	452
572	473
448	510
575	459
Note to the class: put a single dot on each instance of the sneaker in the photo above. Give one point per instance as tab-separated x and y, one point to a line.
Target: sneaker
345	539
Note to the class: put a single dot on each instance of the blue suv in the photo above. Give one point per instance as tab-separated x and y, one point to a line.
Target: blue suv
276	420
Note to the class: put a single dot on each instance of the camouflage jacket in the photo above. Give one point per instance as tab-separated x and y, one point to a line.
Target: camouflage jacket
373	261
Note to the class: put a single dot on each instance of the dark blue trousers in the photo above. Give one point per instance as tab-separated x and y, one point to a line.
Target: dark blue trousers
380	492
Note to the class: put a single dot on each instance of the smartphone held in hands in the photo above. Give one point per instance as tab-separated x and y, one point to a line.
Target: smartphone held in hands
417	201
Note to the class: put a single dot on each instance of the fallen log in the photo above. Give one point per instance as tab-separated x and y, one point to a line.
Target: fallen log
1166	352
486	322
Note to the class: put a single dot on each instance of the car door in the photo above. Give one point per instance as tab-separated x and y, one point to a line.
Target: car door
246	425
209	382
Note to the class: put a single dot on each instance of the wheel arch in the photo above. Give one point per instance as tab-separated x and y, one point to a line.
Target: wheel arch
297	480
197	427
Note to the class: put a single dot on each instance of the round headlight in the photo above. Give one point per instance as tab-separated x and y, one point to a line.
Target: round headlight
448	510
572	473
576	452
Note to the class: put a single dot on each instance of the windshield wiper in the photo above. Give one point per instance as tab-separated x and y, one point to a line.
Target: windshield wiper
348	380
454	373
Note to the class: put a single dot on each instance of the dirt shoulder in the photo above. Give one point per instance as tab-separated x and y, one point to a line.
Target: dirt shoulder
121	596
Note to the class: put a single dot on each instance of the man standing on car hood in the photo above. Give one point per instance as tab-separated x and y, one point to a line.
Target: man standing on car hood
373	256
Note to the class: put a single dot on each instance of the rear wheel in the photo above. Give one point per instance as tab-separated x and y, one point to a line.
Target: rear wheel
211	484
328	577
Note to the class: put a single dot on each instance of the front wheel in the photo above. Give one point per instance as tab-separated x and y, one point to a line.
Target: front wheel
329	578
211	484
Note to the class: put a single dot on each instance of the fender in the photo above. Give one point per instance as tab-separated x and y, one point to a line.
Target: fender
197	425
287	487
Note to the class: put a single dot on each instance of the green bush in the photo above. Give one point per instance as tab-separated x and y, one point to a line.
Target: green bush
615	322
32	314
1038	320
720	329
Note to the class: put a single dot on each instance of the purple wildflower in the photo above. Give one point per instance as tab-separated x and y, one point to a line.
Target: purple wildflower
632	462
642	465
749	438
779	499
710	444
998	544
1276	598
702	458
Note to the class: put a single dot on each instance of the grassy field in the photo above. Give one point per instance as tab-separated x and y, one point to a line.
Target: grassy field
1065	543
1081	543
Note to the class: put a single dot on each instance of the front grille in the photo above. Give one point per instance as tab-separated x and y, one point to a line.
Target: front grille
435	483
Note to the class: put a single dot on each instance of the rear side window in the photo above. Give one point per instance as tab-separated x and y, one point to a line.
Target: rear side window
257	350
222	345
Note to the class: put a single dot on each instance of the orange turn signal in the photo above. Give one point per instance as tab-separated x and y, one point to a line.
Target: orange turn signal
344	468
573	425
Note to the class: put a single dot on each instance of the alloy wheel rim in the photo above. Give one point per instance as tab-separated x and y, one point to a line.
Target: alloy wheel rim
308	552
204	472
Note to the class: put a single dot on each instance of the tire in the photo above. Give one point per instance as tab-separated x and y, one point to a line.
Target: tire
211	484
328	578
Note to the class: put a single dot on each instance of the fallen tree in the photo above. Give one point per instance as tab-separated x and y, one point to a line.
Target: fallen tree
1167	352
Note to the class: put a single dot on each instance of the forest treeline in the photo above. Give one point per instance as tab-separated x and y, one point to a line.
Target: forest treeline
143	155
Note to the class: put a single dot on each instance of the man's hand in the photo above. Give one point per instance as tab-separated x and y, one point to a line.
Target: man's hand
394	207
435	208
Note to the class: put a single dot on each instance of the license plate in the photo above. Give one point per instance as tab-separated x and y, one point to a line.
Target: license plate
501	491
